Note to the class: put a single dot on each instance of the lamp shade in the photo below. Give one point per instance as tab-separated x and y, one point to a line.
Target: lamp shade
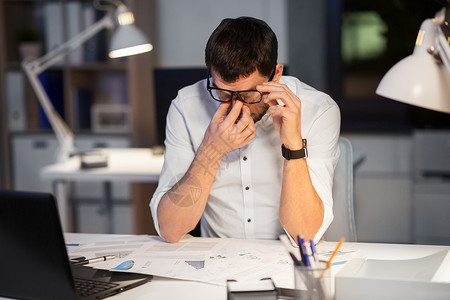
418	80
128	40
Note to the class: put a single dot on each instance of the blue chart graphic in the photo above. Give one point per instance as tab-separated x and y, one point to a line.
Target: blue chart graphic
248	255
126	265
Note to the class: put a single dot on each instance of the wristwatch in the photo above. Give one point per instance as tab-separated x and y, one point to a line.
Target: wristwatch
294	154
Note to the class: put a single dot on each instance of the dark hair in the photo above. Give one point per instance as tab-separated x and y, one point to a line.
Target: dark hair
239	47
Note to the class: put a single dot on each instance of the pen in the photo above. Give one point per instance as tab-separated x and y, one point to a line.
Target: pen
76	259
94	260
302	251
305	253
314	252
287	244
328	264
294	258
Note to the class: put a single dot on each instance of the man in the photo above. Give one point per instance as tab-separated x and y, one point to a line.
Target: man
224	162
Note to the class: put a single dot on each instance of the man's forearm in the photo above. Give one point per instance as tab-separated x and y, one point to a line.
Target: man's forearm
181	207
301	209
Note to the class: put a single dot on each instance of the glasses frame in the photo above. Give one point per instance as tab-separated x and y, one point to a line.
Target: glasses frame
233	93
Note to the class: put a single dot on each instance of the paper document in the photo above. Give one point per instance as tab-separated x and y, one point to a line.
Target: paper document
210	260
119	247
325	250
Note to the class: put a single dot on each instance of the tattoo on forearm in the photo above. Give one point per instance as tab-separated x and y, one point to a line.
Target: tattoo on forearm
188	190
210	160
188	195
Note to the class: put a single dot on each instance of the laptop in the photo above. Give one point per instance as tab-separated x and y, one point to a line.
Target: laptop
33	257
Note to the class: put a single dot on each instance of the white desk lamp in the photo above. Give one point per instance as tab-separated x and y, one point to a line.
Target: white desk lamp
127	40
423	78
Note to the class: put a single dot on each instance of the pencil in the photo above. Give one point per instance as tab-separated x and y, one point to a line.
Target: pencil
328	264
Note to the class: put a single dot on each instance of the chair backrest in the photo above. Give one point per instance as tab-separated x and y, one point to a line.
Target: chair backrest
343	224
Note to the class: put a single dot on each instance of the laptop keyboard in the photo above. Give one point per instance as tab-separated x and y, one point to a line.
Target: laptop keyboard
86	288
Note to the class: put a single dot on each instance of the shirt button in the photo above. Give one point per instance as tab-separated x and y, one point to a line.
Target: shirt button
249	220
247	188
244	158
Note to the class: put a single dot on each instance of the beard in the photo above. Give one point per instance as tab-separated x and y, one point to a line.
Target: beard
258	115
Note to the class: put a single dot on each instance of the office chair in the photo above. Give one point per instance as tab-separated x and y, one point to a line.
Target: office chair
343	224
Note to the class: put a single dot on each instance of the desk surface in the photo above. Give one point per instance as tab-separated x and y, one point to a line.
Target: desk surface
166	288
124	164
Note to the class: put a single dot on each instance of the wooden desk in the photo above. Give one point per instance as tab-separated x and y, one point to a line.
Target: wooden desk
124	165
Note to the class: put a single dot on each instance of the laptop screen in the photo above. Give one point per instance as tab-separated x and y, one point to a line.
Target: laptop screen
32	248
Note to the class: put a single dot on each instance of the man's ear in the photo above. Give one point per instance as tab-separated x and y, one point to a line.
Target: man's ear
278	72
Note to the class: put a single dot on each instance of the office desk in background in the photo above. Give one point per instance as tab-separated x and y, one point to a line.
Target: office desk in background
167	288
124	165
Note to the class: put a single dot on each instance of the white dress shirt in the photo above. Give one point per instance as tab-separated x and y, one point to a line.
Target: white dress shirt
245	195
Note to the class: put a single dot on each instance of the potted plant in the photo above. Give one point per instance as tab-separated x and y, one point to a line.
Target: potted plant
29	41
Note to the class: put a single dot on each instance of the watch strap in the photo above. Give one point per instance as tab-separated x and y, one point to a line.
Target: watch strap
295	154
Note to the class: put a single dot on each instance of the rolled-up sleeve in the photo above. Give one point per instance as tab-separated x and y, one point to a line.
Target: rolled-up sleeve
178	156
323	155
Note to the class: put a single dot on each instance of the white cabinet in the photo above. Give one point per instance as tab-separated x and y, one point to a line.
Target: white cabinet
431	194
31	152
431	212
91	218
383	206
402	189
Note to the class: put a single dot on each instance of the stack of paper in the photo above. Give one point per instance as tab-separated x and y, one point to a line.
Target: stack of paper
211	260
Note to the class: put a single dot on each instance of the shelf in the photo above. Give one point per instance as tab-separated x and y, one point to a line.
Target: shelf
77	83
128	81
85	67
99	66
13	65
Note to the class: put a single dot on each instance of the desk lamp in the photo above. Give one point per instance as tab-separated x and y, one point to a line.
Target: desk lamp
126	40
423	78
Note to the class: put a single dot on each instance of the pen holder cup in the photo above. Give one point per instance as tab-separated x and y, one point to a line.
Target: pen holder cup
313	283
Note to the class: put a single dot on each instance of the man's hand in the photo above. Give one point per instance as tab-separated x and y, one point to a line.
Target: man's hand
230	131
287	117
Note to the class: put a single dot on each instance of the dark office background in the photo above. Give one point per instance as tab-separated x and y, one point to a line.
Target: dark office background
363	40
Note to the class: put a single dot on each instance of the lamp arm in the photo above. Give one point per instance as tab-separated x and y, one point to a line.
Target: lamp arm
44	62
62	131
443	49
32	69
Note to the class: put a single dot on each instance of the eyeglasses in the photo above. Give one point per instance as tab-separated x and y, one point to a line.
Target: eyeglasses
247	96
